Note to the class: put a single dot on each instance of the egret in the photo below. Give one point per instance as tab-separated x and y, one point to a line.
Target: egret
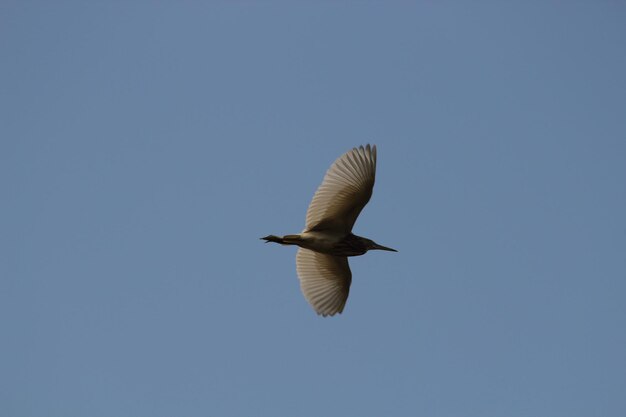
327	240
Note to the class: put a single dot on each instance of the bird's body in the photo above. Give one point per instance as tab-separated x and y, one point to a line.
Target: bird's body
327	240
328	243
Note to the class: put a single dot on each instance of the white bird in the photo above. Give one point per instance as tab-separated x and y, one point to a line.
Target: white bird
327	240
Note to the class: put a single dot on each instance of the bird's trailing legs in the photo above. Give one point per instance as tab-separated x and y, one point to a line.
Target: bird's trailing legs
285	240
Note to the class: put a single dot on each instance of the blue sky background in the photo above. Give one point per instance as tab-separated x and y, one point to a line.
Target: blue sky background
146	146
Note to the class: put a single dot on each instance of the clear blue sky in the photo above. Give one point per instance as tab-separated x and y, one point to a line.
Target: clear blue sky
146	146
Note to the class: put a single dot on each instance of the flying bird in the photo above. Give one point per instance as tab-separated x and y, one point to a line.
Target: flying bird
327	240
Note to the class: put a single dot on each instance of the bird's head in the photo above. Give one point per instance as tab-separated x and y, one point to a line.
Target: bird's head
370	245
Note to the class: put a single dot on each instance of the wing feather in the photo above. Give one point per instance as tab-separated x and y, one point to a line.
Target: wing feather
324	280
345	190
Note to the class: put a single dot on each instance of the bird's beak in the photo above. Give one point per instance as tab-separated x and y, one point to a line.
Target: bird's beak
381	247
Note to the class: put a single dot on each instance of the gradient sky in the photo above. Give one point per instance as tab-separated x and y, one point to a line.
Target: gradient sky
146	146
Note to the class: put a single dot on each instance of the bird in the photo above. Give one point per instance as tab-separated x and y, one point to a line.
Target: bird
327	240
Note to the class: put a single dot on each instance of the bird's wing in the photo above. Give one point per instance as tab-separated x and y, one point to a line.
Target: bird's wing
324	280
346	189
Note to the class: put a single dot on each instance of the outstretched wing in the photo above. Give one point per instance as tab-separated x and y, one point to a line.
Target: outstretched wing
324	280
345	190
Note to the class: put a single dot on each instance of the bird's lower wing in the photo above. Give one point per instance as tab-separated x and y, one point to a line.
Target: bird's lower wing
324	280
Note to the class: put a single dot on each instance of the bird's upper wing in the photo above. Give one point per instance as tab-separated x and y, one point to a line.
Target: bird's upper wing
324	280
346	189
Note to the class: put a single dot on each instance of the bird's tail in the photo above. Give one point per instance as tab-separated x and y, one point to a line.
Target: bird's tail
285	240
